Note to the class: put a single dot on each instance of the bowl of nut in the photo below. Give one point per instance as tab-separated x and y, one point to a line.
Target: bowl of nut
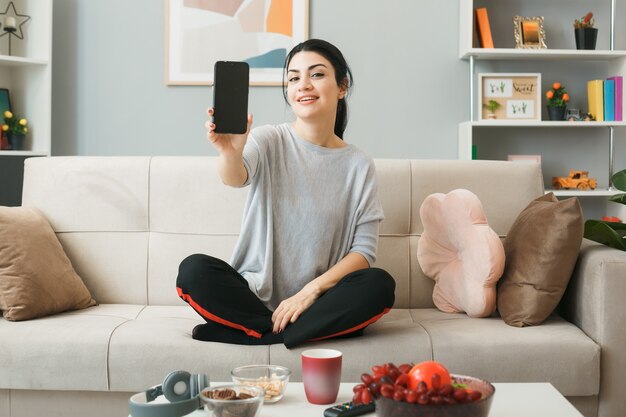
232	401
425	389
271	378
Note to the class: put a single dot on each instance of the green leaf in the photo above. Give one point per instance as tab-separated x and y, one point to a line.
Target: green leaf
618	198
616	225
601	232
619	180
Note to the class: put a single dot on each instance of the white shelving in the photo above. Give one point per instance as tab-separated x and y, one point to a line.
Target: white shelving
541	54
469	131
27	74
577	193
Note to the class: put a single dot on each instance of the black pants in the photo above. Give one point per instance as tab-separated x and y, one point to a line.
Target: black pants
234	314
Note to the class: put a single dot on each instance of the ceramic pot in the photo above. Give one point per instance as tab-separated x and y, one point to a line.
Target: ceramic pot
586	38
556	113
16	142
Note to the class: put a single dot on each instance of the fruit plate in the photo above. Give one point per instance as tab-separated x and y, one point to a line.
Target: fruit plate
387	407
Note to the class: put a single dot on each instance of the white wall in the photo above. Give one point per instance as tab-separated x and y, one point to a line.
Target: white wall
410	92
110	97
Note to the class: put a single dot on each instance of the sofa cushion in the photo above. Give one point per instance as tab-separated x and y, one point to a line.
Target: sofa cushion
460	252
143	351
36	277
489	180
394	338
557	352
541	251
67	351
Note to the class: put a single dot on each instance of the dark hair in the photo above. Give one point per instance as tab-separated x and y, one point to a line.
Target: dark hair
343	75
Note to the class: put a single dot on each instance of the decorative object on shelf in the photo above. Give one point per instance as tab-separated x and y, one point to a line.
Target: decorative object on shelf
5	103
259	32
483	28
618	81
595	99
15	129
573	115
557	99
585	33
519	95
576	179
12	23
611	219
529	32
610	232
533	159
608	98
492	106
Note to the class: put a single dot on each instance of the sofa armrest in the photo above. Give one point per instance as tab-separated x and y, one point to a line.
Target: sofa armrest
594	301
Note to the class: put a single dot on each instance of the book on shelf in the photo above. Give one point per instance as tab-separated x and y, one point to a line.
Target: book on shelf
595	98
482	28
618	96
609	100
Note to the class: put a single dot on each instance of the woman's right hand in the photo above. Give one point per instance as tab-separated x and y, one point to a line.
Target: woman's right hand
228	145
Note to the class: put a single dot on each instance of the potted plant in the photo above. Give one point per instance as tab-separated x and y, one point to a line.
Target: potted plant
612	232
585	33
492	106
557	101
15	129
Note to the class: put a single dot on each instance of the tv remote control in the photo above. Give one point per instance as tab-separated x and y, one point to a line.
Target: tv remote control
349	410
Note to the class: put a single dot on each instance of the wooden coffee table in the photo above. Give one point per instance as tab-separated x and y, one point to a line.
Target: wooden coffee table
511	400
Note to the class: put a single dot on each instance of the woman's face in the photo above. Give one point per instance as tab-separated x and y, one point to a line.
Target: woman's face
311	86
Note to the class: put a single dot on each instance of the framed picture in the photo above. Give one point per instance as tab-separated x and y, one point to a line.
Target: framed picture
5	103
532	159
260	32
509	96
529	33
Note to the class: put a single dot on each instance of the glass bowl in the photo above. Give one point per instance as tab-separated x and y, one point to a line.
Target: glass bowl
232	400
386	407
272	378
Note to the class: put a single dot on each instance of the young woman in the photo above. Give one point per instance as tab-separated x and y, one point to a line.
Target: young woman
301	268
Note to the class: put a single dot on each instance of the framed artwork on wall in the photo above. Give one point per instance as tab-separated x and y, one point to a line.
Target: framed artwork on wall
260	32
509	96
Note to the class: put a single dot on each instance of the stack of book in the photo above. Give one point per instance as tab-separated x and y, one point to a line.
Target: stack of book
605	99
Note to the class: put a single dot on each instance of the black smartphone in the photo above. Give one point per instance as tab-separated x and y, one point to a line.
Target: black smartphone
230	96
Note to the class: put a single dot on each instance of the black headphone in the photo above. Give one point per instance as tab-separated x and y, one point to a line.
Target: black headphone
179	387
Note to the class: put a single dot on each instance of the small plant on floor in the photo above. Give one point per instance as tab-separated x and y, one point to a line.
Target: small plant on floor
610	233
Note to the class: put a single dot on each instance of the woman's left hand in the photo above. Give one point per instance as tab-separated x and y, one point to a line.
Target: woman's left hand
290	309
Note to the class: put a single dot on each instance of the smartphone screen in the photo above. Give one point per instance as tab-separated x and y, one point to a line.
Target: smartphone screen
230	97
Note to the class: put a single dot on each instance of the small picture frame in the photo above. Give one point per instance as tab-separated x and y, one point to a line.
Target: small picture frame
5	103
509	97
532	159
529	32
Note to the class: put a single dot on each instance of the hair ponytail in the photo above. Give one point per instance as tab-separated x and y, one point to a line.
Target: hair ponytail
341	121
343	75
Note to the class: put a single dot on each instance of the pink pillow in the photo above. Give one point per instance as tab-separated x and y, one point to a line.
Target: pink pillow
461	253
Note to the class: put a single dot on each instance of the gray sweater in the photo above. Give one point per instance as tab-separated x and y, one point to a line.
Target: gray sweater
307	208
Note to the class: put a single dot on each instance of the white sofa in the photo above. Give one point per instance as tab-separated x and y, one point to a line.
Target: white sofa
127	222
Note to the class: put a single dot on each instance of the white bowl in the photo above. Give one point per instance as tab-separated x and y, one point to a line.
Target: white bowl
271	378
216	405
